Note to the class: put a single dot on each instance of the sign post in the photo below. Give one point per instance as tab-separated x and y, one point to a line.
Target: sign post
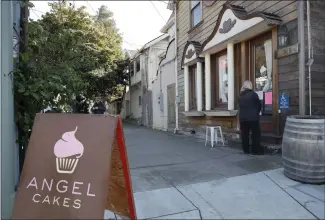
76	166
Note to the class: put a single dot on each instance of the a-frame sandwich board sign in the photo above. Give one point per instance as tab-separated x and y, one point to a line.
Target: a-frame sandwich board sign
75	167
120	194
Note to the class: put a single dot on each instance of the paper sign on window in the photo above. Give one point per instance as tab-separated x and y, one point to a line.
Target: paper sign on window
268	98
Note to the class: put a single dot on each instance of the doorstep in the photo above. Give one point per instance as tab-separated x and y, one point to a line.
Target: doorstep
221	113
268	148
212	113
194	114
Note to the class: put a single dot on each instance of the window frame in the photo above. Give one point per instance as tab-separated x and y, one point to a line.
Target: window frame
192	70
218	79
216	104
203	87
191	8
138	65
192	87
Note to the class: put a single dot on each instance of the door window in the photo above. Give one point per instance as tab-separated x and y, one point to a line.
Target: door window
262	71
263	66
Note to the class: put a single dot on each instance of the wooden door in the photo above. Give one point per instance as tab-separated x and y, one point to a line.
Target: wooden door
171	114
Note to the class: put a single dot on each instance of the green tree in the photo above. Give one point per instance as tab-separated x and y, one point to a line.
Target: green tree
71	58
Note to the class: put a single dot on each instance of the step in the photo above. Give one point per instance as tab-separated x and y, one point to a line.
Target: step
269	138
268	148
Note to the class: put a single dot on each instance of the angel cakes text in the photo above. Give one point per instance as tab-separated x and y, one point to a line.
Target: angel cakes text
52	192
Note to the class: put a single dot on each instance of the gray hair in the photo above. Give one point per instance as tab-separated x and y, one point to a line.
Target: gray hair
246	85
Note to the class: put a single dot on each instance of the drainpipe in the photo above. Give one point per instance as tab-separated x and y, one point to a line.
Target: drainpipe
177	101
0	105
302	75
310	56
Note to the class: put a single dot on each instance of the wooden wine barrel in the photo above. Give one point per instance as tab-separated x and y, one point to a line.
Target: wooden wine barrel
303	149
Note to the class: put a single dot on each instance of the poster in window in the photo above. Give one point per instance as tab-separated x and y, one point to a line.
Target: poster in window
223	79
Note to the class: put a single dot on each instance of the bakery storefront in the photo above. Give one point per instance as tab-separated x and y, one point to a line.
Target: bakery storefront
241	47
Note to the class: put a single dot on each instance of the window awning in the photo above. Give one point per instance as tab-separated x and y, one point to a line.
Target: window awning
234	24
191	53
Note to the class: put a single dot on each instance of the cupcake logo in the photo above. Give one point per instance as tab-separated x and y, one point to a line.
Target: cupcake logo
68	150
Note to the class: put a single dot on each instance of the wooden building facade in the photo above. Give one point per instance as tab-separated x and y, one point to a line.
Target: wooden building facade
223	43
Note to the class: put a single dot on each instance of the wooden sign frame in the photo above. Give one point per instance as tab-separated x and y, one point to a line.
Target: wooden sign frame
79	154
286	51
118	186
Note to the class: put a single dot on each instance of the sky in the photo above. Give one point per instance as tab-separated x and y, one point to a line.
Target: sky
138	21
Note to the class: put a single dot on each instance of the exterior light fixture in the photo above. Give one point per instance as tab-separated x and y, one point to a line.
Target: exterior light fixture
283	36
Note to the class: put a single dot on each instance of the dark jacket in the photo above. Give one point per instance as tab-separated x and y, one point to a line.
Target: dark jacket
249	106
98	108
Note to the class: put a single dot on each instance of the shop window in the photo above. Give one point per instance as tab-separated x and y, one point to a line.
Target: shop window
262	63
192	89
222	79
219	80
196	12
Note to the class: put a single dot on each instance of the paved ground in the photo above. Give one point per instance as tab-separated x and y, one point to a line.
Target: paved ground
177	177
161	160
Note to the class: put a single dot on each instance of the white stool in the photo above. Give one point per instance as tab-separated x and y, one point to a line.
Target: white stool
213	135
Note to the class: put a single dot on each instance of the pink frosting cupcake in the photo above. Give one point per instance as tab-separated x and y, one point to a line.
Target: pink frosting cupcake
68	150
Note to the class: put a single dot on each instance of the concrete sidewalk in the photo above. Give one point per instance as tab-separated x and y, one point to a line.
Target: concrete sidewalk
177	177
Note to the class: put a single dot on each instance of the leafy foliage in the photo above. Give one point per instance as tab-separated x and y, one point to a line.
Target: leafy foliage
71	58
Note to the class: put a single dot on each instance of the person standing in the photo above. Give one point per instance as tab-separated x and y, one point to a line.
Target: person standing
249	118
98	107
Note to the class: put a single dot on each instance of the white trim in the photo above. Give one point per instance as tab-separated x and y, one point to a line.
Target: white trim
242	30
149	44
186	60
207	82
158	39
169	23
186	89
199	88
231	76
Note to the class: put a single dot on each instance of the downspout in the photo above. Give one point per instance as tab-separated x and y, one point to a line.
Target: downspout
302	74
161	97
160	78
0	106
310	56
177	101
